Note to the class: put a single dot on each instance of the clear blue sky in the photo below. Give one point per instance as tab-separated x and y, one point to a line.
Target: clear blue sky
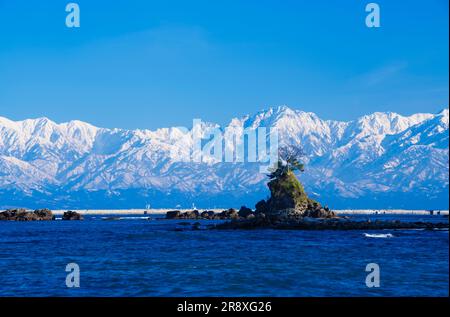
149	64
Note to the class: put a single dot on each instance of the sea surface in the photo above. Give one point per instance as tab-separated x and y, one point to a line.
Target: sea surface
135	256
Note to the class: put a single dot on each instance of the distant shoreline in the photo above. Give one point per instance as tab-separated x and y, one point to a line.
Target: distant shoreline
163	211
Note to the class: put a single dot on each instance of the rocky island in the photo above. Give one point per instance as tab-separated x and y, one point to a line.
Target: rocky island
289	207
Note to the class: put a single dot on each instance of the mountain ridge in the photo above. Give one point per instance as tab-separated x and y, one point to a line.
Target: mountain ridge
380	160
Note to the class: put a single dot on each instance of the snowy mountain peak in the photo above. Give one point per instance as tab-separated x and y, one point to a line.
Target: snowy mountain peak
380	123
443	115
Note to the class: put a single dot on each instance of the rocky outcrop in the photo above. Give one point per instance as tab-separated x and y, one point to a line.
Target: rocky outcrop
289	199
173	214
286	192
24	215
207	214
194	214
227	214
72	215
317	211
245	212
261	207
44	214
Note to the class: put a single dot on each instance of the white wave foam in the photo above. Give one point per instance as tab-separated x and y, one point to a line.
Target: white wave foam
378	235
125	218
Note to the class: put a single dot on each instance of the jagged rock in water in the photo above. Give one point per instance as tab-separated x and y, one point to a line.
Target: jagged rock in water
319	212
229	214
244	212
12	214
193	214
207	214
72	215
289	200
44	214
23	215
173	214
261	207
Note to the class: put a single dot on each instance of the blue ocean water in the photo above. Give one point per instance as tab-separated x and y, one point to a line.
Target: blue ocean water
138	257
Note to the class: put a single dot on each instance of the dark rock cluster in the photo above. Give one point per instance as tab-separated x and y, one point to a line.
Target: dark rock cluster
37	215
24	215
228	214
72	215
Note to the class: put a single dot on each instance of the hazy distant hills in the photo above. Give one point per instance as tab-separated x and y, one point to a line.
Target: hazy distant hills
381	160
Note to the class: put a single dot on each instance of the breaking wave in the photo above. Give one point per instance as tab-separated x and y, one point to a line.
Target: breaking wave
378	235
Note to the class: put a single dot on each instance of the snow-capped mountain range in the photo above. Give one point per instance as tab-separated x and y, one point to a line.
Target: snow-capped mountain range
381	160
